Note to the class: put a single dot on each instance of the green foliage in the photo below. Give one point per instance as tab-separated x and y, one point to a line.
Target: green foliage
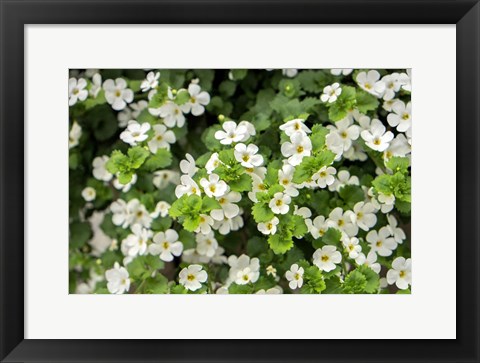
345	103
126	165
311	164
313	281
160	160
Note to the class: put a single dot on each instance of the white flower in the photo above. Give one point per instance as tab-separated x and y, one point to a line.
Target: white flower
232	133
125	187
398	147
135	132
205	225
318	228
293	126
370	261
192	277
289	72
120	213
347	132
338	219
136	243
117	280
401	273
166	245
392	85
228	208
343	178
279	203
303	212
74	135
352	246
341	71
89	194
271	271
171	114
401	118
326	257
76	91
244	276
150	82
381	242
214	187
99	171
272	291
258	186
397	233
96	85
371	83
250	130
331	93
161	209
285	176
295	150
228	224
241	263
269	227
188	187
376	138
364	215
137	213
117	94
162	138
161	178
247	155
406	80
212	163
187	166
206	244
295	276
197	100
324	176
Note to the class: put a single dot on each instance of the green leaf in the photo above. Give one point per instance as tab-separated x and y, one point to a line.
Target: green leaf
351	194
209	204
187	238
262	213
398	164
256	246
311	164
345	103
334	286
227	88
178	289
355	283
117	162
365	101
373	280
314	282
160	160
137	156
240	289
156	285
80	233
314	81
332	237
160	97
227	157
382	184
299	227
191	223
280	242
242	184
182	97
319	133
239	74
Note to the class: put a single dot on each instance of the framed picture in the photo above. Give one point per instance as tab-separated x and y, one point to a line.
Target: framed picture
216	153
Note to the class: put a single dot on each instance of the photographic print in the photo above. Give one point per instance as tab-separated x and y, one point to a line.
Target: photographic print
240	181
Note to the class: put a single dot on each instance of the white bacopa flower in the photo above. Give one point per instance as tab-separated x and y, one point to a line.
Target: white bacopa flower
386	202
335	144
232	133
124	187
326	257
187	166
371	83
352	246
364	215
205	225
279	203
162	178
150	82
187	186
324	176
341	71
318	227
406	80
269	227
161	209
293	126
166	245
295	150
135	132
138	214
120	213
228	208
206	244
96	85
89	194
331	93
228	224
342	221
198	99
99	171
136	243
401	118
161	139
401	273
376	138
241	263
285	176
245	276
247	155
192	277
171	114
250	130
271	271
397	233
74	135
343	178
214	187
117	94
303	212
381	242
398	147
370	261
276	290
212	163
295	276
290	72
392	85
118	281
76	90
347	132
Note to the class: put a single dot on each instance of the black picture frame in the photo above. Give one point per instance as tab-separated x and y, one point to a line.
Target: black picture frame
16	14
